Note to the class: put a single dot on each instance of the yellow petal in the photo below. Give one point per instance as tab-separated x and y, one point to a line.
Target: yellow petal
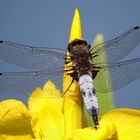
15	121
39	97
73	112
47	117
73	104
76	28
106	131
127	122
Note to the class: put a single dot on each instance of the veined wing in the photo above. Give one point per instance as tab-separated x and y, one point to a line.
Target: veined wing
119	74
31	57
116	49
26	82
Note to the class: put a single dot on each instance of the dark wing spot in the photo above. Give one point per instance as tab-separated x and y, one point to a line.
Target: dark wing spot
137	27
1	41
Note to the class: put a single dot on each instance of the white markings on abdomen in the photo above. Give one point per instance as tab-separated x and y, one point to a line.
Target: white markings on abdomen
88	92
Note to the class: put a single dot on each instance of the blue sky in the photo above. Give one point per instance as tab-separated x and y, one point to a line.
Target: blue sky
47	23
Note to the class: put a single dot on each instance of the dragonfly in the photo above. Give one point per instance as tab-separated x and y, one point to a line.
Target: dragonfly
84	65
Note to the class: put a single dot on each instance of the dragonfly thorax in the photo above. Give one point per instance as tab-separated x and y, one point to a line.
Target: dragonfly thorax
80	56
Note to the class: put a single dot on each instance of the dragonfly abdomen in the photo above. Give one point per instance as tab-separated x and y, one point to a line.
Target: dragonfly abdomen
89	97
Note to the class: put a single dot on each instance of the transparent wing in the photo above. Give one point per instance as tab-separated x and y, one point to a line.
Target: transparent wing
31	57
26	82
110	77
117	48
116	75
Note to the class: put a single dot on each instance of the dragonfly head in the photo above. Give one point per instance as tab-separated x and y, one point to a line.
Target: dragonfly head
77	45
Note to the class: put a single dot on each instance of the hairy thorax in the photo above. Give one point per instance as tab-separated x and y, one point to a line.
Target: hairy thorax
81	59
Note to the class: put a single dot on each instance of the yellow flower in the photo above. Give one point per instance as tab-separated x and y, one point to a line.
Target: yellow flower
45	119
